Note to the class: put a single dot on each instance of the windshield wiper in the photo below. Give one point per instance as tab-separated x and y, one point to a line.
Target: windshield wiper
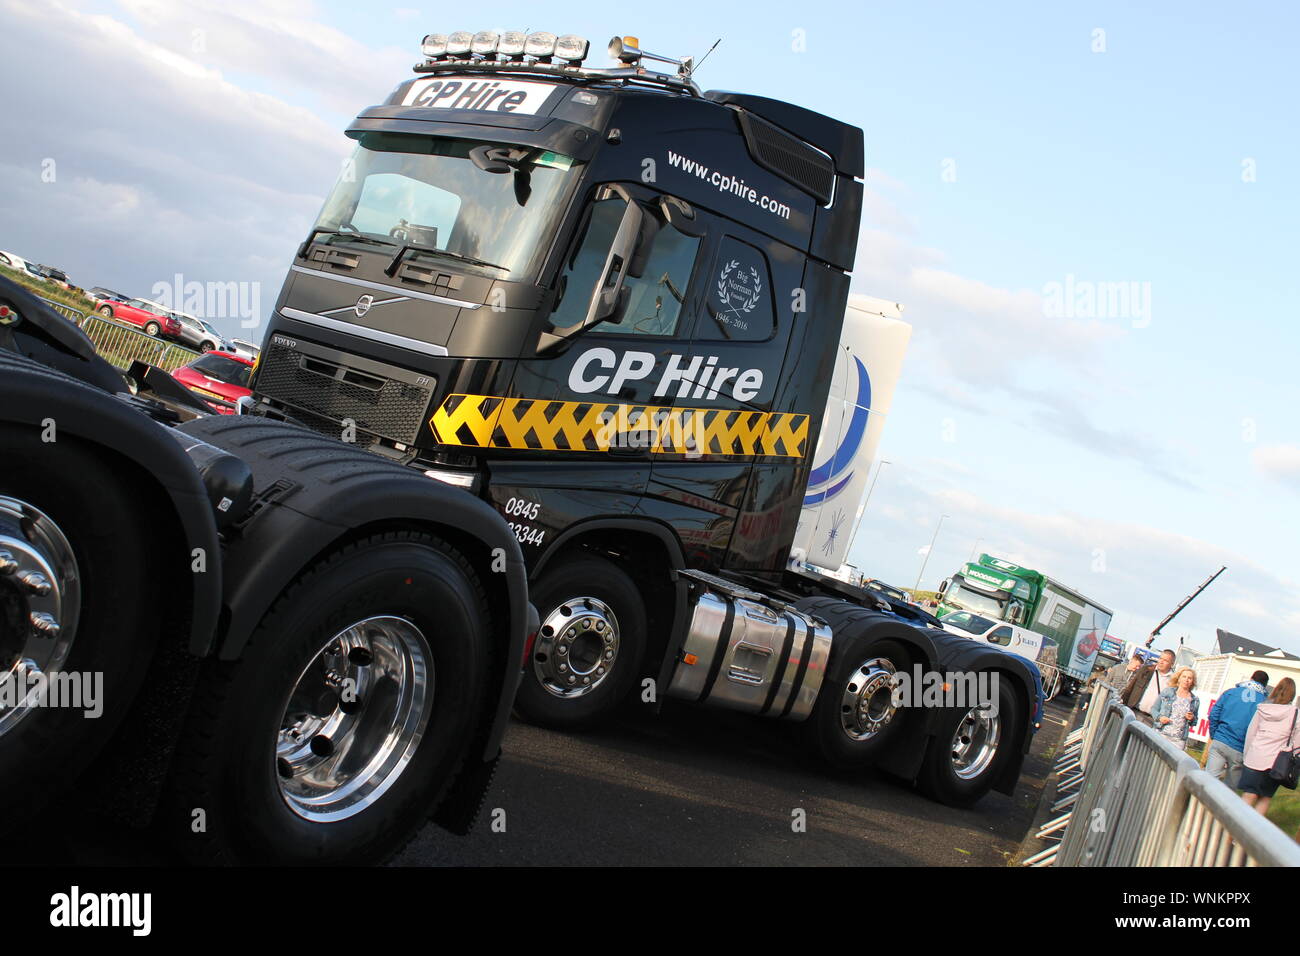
345	233
417	249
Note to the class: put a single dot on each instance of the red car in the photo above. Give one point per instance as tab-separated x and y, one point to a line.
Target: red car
150	316
220	376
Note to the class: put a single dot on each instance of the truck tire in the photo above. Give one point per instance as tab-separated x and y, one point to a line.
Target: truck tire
970	748
334	736
588	653
84	561
855	719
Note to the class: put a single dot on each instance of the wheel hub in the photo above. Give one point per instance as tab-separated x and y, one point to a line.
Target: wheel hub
576	647
354	719
40	601
975	743
867	705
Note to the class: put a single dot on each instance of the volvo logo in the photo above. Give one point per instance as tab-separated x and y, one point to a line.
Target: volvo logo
363	305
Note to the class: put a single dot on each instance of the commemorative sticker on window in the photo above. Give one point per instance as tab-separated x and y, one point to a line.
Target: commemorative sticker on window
740	299
490	96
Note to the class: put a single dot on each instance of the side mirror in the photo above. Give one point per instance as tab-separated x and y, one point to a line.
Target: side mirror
609	298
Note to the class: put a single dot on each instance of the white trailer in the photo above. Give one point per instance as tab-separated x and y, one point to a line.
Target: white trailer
1216	673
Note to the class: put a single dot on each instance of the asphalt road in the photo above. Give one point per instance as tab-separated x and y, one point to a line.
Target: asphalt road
693	787
689	787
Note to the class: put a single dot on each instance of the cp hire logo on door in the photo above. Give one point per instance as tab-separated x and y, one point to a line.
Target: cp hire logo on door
494	96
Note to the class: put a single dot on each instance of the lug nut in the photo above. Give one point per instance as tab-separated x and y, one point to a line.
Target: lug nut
586	680
7	563
609	638
600	670
44	624
322	746
563	668
571	678
35	582
562	649
609	655
600	625
586	624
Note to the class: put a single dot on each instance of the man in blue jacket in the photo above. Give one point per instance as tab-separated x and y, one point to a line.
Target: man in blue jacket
1229	719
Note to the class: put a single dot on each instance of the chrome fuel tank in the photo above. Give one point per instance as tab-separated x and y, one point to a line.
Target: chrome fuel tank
744	655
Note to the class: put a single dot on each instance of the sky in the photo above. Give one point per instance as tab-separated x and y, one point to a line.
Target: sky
1028	163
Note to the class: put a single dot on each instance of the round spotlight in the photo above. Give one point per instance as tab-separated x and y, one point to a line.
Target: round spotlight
572	48
459	42
434	45
512	43
484	43
540	44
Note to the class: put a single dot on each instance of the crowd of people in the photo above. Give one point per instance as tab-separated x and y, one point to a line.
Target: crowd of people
1250	724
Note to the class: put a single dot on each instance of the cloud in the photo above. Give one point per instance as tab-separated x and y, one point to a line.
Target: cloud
144	162
1279	462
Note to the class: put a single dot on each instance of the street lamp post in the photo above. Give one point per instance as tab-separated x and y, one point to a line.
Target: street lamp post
926	558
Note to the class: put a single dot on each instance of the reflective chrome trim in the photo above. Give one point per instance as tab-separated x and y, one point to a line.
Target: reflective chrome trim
367	284
374	304
351	328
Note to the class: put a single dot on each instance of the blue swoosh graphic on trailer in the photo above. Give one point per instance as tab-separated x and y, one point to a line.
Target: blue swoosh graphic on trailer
820	496
848	448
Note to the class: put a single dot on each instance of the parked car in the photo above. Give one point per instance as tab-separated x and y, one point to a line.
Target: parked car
200	335
100	294
896	593
150	316
245	349
217	375
13	261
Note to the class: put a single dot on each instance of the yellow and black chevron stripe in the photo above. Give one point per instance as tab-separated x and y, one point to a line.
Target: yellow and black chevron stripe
486	421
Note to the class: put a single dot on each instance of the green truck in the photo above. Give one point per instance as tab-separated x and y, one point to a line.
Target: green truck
1003	591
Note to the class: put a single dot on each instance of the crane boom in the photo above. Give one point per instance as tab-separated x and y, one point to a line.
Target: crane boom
1183	603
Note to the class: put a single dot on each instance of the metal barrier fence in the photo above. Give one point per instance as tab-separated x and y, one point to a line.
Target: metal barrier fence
76	315
1135	799
121	345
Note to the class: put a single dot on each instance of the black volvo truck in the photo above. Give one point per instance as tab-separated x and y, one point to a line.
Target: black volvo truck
609	304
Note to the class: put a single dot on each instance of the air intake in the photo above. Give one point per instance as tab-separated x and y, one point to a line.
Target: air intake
789	157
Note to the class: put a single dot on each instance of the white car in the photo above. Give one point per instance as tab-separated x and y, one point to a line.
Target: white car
1011	638
244	349
13	261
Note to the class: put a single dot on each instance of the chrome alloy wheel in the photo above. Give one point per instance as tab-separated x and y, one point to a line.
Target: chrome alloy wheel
40	601
354	719
867	706
576	648
975	743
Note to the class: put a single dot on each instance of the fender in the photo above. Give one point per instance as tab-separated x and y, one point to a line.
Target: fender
310	491
31	393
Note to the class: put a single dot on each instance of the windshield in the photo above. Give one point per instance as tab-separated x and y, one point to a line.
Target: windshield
430	193
971	623
973	601
223	369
